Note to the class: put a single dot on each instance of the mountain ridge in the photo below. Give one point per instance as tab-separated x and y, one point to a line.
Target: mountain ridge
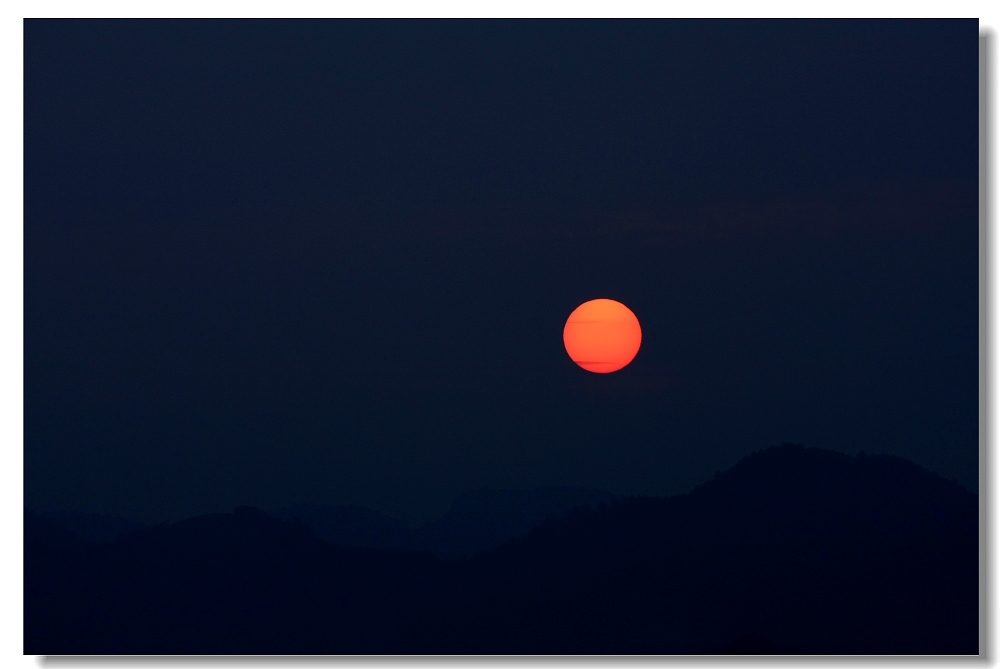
792	550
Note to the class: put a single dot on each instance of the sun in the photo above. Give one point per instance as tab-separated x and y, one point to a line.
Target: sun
602	336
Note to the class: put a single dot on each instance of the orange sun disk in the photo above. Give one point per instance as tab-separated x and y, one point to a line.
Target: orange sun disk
602	336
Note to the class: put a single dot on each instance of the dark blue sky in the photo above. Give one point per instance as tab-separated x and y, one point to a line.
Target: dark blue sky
276	262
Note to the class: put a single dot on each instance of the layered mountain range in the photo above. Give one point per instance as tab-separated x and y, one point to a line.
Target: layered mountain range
793	550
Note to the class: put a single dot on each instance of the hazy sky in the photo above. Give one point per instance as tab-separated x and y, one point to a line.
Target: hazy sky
330	261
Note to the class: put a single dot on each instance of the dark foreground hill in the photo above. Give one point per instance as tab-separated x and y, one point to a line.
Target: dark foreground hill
793	550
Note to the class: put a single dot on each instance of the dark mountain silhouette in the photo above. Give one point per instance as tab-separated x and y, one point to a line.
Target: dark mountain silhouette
793	550
94	527
809	550
475	521
223	583
483	519
349	525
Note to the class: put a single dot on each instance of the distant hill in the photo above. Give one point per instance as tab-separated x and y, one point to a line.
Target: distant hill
478	520
94	527
475	521
483	519
349	525
793	550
